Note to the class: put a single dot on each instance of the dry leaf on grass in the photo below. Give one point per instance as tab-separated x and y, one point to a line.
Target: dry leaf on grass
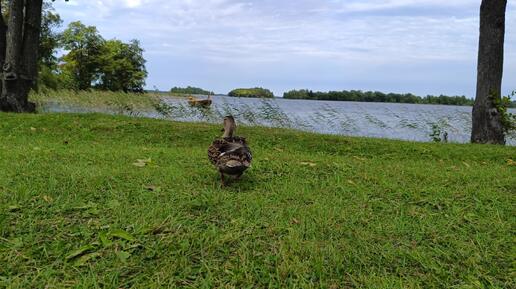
308	164
141	162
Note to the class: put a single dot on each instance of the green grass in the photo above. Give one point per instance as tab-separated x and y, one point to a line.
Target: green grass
314	211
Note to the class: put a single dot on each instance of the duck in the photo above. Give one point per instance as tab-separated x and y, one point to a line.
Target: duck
230	154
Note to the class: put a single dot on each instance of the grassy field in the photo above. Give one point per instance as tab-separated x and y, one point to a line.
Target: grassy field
95	201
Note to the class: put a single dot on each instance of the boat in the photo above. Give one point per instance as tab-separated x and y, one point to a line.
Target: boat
192	101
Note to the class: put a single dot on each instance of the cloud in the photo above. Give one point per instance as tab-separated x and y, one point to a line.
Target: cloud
221	44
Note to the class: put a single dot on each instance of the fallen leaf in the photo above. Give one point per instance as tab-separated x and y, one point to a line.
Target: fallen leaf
142	162
308	164
81	251
466	164
104	239
123	256
351	182
510	162
33	128
295	221
81	261
122	235
16	242
13	208
47	199
152	188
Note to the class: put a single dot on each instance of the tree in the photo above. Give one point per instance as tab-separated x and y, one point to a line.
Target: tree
190	90
19	54
83	61
257	92
49	42
123	66
20	30
487	117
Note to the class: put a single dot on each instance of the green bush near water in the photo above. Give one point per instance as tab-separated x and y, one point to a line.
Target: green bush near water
92	201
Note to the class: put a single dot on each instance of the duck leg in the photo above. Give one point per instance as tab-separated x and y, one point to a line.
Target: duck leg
222	178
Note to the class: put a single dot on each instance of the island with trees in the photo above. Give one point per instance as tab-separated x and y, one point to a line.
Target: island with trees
190	90
256	92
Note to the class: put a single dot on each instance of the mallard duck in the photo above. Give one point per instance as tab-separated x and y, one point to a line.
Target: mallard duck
230	154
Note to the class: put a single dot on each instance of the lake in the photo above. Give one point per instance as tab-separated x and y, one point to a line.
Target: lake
414	122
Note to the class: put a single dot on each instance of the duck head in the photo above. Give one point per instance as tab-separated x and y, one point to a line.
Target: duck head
229	126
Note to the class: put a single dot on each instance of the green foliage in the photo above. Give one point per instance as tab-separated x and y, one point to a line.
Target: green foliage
190	90
251	92
48	79
123	67
376	96
85	47
508	119
314	211
50	37
106	64
439	134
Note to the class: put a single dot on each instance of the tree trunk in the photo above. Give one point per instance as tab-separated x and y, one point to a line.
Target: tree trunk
487	124
31	38
20	59
3	44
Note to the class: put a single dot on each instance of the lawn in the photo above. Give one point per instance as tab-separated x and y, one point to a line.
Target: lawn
97	201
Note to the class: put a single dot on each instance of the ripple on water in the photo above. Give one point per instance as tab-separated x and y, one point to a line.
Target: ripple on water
385	120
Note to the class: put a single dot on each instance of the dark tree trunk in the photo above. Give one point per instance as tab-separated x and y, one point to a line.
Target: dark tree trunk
3	44
487	124
21	55
31	38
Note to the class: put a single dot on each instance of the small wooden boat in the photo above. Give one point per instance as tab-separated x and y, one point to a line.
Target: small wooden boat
199	102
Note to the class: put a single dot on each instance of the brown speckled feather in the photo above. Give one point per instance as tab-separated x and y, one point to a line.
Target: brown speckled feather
230	155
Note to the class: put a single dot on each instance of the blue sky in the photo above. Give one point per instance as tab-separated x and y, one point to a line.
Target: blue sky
418	46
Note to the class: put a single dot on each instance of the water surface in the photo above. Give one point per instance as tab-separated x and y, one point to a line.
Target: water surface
414	122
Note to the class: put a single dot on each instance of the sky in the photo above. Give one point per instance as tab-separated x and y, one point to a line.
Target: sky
418	46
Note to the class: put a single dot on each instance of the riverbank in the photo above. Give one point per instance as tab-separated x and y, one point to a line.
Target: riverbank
109	201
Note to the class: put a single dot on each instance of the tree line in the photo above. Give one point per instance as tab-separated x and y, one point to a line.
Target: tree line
190	90
377	96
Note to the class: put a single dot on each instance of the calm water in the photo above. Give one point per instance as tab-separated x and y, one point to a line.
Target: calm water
384	120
